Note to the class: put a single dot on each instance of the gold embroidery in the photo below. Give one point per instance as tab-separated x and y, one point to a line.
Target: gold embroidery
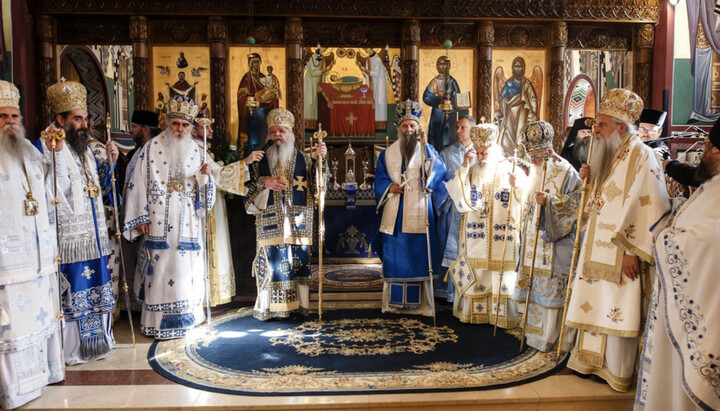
604	244
645	200
586	307
608	227
300	183
612	191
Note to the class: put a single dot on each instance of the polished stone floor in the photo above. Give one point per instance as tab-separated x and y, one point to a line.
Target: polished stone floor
125	380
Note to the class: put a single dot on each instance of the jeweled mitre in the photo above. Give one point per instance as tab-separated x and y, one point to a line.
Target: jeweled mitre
67	96
621	104
484	135
281	117
9	95
182	107
537	136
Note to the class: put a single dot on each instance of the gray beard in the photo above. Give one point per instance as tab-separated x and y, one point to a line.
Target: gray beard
279	155
581	148
603	155
12	141
704	171
180	144
408	144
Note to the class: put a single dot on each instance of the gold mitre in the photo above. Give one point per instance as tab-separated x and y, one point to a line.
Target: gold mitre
9	95
621	104
182	107
67	96
537	136
281	117
483	135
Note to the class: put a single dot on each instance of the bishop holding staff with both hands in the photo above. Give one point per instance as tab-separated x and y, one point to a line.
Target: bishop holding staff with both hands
281	197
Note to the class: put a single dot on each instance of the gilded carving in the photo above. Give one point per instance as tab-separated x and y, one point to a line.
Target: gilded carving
295	98
217	98
353	34
104	31
339	34
645	36
559	34
486	33
616	10
179	31
411	32
217	32
520	36
593	37
267	32
411	73
46	75
642	82
293	30
45	28
138	29
461	34
484	89
557	93
141	77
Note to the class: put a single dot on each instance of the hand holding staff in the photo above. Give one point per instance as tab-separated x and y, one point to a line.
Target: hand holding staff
321	151
532	266
576	245
505	240
112	155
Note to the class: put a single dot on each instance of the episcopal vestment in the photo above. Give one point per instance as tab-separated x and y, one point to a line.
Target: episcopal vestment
679	361
481	194
606	306
407	220
30	340
171	198
100	154
556	222
230	178
84	246
284	226
448	219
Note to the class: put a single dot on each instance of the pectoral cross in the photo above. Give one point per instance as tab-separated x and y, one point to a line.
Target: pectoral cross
351	118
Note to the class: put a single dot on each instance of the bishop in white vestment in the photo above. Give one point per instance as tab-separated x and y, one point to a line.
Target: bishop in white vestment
231	179
626	196
549	216
482	194
88	298
679	365
30	340
167	194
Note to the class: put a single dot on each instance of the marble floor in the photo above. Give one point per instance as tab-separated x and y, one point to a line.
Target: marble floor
125	380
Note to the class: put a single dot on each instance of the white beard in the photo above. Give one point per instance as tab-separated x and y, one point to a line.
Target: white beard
180	145
534	183
280	154
12	141
603	155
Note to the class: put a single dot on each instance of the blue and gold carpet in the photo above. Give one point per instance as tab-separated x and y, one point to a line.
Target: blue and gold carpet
350	352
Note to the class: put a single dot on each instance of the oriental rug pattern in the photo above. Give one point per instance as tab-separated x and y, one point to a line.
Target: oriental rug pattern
350	352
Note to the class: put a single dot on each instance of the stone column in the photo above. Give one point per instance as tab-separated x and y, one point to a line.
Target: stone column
46	34
485	40
141	63
294	78
644	41
217	35
410	56
558	34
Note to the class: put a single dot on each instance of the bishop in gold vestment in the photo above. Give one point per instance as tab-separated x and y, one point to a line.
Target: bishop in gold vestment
626	196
